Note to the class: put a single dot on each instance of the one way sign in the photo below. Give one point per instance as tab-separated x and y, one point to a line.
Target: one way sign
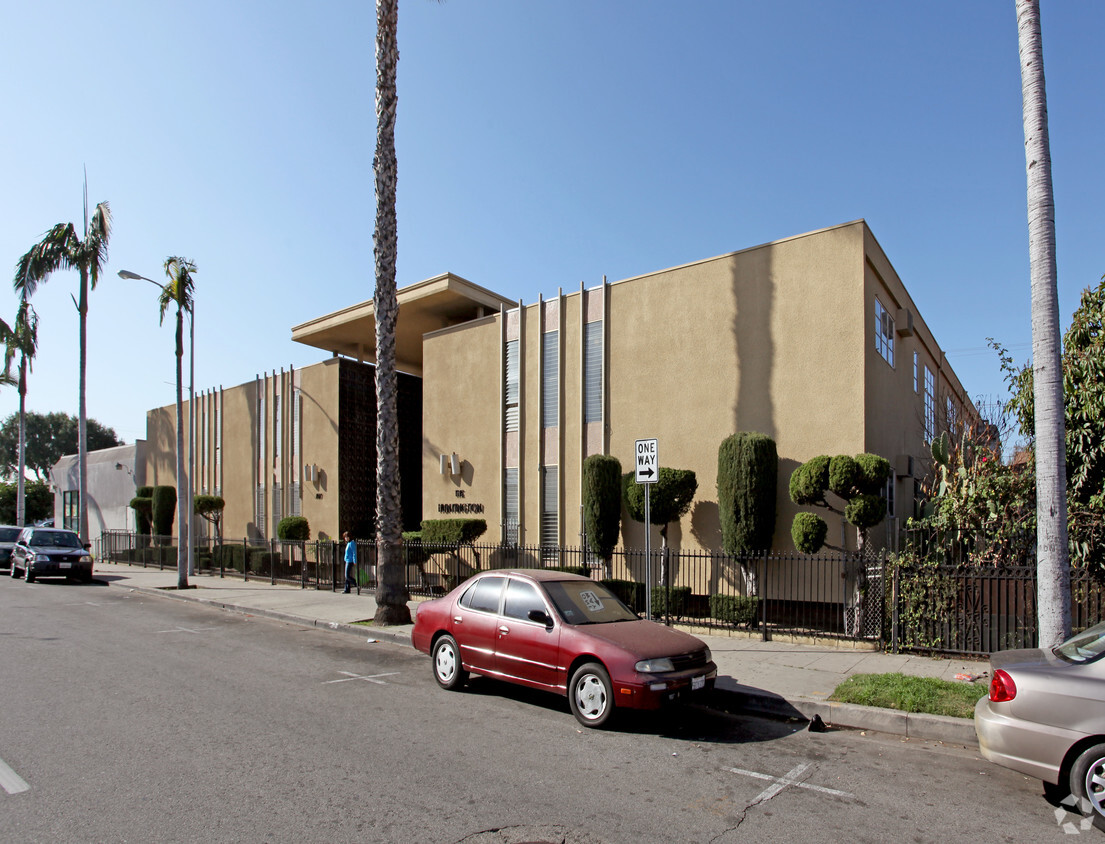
648	462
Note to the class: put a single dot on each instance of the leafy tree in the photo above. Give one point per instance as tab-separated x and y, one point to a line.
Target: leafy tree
22	340
210	508
1052	555
38	500
669	500
60	248
178	291
602	504
49	437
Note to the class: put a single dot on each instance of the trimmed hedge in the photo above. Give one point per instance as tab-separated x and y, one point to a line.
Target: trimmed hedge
671	601
808	532
164	510
293	528
452	531
602	503
735	609
631	593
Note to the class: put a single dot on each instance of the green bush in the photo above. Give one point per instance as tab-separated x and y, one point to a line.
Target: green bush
163	510
872	473
865	511
747	477
293	528
735	609
631	593
671	601
810	480
142	505
808	532
583	571
843	475
452	531
602	503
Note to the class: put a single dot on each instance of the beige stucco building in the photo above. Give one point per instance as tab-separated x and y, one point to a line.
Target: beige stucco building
812	340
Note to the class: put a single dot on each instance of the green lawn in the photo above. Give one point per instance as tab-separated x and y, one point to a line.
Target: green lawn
911	694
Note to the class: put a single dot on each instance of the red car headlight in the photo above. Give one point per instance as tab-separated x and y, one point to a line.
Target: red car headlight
1002	687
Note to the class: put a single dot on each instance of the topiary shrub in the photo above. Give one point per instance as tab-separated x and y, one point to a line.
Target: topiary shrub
808	532
872	473
452	531
843	475
143	513
735	609
602	503
293	528
163	510
747	478
810	480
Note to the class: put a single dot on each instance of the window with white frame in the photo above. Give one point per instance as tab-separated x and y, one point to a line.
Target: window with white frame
916	373
884	332
950	414
930	405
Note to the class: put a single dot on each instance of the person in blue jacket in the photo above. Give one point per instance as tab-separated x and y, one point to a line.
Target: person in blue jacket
350	562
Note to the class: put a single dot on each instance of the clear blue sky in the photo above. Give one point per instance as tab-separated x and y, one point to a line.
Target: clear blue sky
540	144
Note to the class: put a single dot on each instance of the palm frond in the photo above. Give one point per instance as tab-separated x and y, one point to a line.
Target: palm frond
95	241
58	249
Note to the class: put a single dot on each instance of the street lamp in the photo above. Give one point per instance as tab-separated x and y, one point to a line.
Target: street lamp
127	274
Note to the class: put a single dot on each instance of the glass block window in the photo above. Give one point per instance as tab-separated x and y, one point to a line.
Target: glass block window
884	332
916	373
550	510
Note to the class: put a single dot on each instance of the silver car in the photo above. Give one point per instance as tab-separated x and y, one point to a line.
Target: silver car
50	552
1045	717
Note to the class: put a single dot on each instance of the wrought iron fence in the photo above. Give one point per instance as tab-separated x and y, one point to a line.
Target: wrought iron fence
966	610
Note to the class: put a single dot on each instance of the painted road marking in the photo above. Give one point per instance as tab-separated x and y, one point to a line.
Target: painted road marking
789	778
187	630
10	781
367	678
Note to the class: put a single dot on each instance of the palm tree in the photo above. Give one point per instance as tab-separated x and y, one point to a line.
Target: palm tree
1052	553
21	339
178	290
391	592
60	248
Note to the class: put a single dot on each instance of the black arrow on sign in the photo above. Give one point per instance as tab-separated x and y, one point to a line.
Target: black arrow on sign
648	473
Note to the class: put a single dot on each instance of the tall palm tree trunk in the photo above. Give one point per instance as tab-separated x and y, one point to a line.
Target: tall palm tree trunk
391	592
82	415
1052	552
182	492
21	487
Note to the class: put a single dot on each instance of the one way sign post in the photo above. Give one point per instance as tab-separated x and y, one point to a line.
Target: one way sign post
647	471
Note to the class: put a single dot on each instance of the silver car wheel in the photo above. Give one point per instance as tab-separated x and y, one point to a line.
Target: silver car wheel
1087	780
448	671
590	696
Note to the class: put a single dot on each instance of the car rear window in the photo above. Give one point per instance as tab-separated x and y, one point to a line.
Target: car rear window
587	602
1085	646
9	534
484	594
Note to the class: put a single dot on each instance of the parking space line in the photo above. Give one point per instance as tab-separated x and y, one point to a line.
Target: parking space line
187	630
10	781
371	678
788	779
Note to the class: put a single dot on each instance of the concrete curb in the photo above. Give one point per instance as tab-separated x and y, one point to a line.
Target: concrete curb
732	696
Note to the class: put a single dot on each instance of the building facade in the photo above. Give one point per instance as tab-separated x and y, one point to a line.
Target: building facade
300	442
813	340
114	475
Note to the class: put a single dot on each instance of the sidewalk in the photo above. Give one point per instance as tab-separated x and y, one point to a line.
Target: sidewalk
776	678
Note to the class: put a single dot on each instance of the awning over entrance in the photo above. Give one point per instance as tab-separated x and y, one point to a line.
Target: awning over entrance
423	307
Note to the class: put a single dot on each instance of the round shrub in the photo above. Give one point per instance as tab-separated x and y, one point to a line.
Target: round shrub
808	532
295	528
843	474
865	511
809	481
872	473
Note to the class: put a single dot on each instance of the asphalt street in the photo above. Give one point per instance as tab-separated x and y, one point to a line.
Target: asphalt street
129	717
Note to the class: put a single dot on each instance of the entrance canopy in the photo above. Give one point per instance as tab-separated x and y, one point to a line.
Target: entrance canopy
423	307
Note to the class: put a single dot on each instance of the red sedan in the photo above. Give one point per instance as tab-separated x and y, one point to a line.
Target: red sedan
561	633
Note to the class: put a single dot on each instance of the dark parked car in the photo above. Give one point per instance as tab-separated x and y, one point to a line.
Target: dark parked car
50	552
8	535
1045	717
565	634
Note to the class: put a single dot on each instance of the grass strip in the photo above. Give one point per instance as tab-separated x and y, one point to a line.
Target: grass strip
911	694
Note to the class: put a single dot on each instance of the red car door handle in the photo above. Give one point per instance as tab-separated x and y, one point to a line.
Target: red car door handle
504	629
458	619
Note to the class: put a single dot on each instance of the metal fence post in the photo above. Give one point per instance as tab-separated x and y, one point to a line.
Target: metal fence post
761	564
894	610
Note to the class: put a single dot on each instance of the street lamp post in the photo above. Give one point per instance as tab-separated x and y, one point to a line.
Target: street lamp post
127	274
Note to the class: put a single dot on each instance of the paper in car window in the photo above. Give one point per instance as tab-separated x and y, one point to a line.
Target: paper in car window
591	601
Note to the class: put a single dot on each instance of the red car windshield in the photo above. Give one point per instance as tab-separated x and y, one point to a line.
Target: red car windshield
587	602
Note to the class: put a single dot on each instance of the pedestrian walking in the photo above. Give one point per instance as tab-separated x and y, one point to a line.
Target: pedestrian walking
350	562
